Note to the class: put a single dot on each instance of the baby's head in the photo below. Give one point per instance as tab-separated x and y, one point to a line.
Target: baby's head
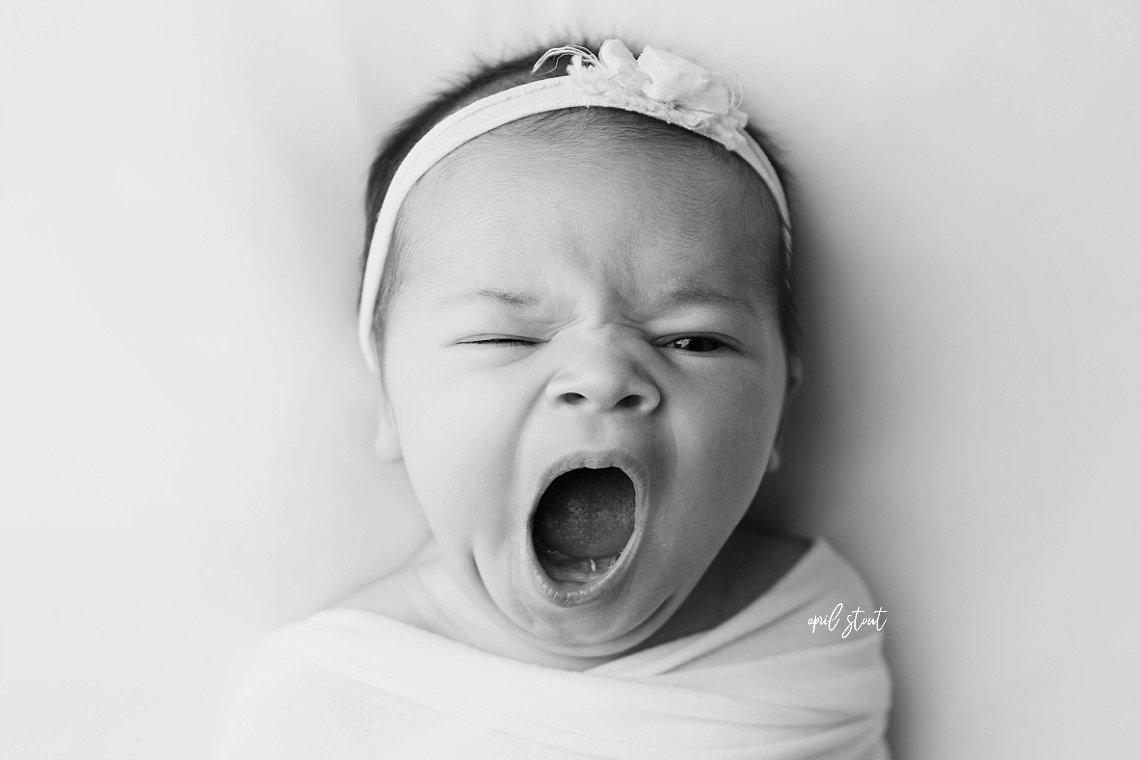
584	330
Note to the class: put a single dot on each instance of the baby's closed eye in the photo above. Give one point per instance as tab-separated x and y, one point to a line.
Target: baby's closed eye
500	340
697	344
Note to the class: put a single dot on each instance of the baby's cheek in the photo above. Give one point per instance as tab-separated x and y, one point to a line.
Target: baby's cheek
725	445
456	436
739	404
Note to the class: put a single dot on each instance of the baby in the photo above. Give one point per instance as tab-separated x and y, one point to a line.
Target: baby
577	299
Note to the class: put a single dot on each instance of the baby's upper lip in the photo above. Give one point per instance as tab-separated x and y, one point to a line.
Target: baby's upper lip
595	459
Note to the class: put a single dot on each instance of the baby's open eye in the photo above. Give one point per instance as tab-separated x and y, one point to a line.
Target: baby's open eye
696	343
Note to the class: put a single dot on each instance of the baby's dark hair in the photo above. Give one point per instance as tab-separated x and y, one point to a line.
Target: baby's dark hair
489	79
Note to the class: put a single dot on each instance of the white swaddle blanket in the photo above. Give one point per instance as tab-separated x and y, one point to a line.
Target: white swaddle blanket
352	684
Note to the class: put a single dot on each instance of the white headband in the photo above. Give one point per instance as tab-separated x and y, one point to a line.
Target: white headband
656	83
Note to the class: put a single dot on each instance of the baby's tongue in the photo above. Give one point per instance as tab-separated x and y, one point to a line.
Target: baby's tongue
587	514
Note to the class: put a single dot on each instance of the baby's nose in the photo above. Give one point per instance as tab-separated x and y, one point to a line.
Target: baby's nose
600	375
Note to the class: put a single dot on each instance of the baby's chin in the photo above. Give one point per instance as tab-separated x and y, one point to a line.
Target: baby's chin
596	631
591	634
620	618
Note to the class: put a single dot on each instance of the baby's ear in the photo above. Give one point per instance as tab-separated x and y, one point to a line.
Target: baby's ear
795	374
387	435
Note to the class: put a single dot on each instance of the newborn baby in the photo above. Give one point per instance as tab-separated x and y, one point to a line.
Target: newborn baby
577	300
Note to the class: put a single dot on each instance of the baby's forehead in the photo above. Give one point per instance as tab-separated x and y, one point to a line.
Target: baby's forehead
611	154
658	200
621	143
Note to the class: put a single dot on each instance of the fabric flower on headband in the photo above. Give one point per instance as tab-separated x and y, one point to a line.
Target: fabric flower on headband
660	84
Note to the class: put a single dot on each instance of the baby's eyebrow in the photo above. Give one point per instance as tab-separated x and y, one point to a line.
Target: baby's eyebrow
515	298
700	295
672	300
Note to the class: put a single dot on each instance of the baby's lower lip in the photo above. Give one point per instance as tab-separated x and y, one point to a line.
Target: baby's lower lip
571	582
564	568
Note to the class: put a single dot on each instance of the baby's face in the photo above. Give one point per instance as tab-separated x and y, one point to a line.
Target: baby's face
579	310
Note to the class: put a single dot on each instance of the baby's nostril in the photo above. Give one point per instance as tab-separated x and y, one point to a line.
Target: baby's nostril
572	398
632	401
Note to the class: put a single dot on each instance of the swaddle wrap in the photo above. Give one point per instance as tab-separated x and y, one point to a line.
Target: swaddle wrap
352	684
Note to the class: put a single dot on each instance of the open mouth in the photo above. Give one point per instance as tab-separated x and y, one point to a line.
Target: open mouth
583	522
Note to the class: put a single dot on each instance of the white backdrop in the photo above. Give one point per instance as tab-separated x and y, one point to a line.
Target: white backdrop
185	424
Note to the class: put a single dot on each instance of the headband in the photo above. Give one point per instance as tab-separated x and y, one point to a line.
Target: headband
657	84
